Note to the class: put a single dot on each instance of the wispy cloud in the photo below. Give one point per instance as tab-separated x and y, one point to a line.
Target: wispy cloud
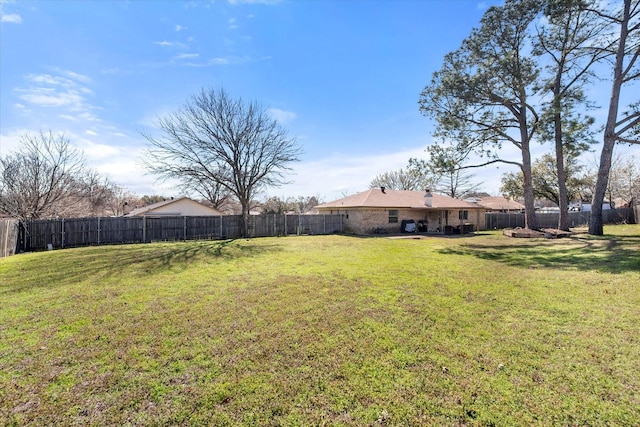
187	56
268	2
9	18
12	18
221	60
233	23
22	107
282	116
168	44
338	175
179	28
62	89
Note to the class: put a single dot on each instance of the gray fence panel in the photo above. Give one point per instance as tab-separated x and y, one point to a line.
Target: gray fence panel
121	230
62	233
165	228
204	227
42	233
497	221
81	232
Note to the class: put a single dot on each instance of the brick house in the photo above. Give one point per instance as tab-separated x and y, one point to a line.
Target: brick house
381	210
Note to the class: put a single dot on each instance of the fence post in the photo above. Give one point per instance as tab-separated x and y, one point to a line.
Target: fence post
185	228
285	225
62	236
324	224
144	229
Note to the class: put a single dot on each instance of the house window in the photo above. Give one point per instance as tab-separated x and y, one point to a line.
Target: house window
463	214
393	216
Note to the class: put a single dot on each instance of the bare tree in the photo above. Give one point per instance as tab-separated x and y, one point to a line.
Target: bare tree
448	177
215	141
399	179
122	201
624	180
95	195
42	178
619	127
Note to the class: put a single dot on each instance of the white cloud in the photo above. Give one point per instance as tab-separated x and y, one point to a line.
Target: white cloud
90	132
233	23
223	60
10	18
97	153
48	97
179	28
282	116
337	175
187	56
10	142
268	2
22	108
63	90
75	76
165	43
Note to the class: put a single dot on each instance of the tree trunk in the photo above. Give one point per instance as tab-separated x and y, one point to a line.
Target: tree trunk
527	184
245	218
595	223
563	199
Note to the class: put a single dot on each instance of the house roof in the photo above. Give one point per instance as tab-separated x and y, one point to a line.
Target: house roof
375	198
499	203
146	210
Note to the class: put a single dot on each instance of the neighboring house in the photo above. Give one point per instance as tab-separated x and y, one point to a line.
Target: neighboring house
182	206
498	204
379	209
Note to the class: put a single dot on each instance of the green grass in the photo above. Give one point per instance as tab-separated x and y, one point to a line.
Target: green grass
335	330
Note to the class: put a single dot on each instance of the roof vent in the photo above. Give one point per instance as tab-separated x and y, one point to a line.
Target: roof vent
382	189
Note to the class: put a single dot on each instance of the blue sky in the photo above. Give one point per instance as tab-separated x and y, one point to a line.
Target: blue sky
343	76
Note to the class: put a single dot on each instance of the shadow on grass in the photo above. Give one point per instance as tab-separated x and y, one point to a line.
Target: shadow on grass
611	254
72	265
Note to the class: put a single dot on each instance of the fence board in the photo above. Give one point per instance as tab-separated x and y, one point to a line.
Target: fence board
62	233
8	237
497	220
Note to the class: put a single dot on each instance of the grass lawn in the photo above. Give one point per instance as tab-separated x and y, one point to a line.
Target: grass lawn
335	330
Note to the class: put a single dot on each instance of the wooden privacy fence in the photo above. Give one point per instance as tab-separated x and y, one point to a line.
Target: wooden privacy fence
8	237
497	221
71	232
